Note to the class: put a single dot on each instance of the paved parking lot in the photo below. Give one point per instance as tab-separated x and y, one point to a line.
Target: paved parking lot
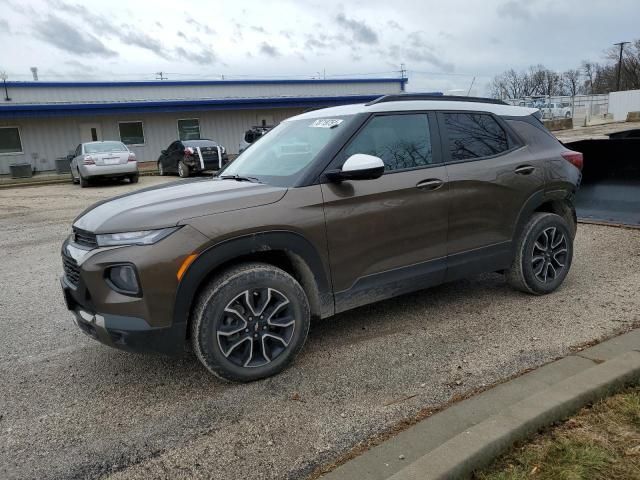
72	408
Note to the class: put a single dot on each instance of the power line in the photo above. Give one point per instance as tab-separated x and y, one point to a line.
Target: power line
444	74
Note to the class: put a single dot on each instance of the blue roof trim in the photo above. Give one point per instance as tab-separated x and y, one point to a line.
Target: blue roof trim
168	83
56	110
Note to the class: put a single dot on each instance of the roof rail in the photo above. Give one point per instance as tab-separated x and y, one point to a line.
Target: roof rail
435	97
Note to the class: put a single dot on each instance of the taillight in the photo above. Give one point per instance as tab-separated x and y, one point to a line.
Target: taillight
88	160
574	158
188	151
132	157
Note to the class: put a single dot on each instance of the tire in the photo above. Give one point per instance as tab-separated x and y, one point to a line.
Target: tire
74	180
134	178
544	252
251	348
183	170
84	182
161	171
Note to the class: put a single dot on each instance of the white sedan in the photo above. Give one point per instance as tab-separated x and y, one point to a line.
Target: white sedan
107	159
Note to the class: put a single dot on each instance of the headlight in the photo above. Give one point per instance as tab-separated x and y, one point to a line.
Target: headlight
143	237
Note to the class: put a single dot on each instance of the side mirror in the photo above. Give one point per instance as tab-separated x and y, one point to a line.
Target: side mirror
163	152
358	166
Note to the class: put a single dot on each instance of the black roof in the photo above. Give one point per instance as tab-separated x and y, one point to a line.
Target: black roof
199	141
431	97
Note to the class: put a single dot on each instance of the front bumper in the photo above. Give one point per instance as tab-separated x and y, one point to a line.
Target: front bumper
145	322
131	334
209	163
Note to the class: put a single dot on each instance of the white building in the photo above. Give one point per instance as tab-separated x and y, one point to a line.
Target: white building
42	121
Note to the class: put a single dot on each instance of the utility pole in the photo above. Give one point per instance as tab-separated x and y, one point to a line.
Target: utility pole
402	76
621	44
471	86
160	76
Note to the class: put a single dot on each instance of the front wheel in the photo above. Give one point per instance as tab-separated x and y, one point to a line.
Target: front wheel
543	255
250	322
183	170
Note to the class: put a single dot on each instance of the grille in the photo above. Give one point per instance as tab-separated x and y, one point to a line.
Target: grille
87	239
209	153
71	270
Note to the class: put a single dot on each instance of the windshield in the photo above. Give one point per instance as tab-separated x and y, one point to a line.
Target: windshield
281	156
104	147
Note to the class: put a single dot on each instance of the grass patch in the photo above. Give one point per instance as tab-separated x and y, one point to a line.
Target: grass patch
601	442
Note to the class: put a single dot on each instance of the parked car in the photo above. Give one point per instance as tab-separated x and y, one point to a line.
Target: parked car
106	159
332	209
555	110
187	157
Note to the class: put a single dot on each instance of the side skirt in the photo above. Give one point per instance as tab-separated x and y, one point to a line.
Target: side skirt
389	284
392	283
481	260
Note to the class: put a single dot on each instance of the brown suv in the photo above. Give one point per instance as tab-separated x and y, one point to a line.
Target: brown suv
330	210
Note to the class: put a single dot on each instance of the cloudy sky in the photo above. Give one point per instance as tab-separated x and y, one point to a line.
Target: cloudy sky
443	44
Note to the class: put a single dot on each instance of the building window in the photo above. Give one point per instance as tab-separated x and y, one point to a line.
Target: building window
189	129
10	140
131	133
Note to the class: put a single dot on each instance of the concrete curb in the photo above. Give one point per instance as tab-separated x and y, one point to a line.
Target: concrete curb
478	446
469	434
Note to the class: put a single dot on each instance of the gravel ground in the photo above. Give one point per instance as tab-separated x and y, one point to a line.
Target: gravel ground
72	408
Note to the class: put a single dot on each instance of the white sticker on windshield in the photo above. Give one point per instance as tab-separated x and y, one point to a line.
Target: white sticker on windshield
326	123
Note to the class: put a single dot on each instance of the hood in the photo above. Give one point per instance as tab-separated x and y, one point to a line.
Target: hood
169	204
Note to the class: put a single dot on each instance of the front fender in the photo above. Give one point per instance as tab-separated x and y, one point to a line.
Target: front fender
300	251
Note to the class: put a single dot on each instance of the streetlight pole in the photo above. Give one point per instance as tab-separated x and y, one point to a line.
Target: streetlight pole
621	45
4	77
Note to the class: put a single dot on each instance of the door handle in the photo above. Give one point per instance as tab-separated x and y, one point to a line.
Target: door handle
525	169
430	184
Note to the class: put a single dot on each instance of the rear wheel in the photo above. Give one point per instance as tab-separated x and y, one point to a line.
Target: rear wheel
84	182
134	178
543	255
250	322
183	170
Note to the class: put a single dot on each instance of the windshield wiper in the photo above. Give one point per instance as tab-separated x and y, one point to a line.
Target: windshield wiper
239	178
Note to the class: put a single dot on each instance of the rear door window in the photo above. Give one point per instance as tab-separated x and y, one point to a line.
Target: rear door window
474	135
401	141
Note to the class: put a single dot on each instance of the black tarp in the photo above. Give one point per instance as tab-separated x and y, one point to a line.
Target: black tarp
610	187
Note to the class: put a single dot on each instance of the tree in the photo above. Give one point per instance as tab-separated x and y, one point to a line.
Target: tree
589	71
590	78
571	81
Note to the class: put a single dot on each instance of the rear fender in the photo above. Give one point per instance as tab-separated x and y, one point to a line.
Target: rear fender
555	201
